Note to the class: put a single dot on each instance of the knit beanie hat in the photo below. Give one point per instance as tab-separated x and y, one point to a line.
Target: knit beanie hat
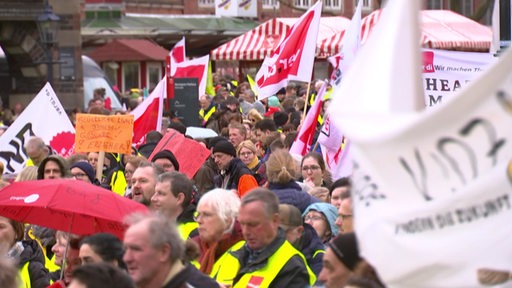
273	101
215	140
225	147
86	167
345	248
166	154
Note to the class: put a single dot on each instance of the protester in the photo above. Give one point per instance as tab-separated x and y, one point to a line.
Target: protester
314	173
26	254
98	275
340	260
321	193
173	199
166	160
247	152
72	261
53	167
345	215
83	171
365	276
28	173
218	228
144	181
36	151
3	183
233	172
151	140
280	170
266	257
339	191
102	247
153	253
9	275
237	133
302	236
132	162
322	217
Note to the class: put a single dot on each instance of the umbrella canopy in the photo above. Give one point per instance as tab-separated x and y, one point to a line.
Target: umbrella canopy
200	132
68	205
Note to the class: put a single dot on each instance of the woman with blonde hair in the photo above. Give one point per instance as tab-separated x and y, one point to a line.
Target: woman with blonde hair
254	116
281	169
247	152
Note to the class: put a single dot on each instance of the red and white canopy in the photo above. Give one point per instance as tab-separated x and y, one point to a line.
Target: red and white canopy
441	29
260	41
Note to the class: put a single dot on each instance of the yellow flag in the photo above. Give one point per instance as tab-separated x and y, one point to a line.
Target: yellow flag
210	90
253	85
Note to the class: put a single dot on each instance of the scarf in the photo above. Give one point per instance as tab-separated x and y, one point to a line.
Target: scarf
253	163
211	252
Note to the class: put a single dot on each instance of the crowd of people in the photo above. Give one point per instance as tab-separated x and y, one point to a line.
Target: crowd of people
253	215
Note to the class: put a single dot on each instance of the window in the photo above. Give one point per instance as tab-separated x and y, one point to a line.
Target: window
332	4
110	69
270	4
464	7
131	75
154	74
302	3
206	3
435	4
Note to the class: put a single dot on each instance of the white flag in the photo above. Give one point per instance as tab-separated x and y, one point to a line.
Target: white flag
331	136
432	190
44	117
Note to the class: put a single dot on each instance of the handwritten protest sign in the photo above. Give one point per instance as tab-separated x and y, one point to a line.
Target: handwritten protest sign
104	133
189	153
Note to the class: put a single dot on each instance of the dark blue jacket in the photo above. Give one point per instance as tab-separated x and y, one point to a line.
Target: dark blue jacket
312	247
291	193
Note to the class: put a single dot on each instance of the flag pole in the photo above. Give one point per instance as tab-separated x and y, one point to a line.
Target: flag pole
306	103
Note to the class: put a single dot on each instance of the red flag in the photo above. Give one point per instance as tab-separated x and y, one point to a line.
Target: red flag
195	68
292	59
304	139
148	115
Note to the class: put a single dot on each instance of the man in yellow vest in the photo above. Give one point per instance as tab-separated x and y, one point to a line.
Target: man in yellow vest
266	259
207	109
172	198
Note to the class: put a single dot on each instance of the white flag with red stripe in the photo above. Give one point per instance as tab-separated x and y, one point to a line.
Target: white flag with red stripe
294	56
302	143
177	55
195	68
148	115
331	137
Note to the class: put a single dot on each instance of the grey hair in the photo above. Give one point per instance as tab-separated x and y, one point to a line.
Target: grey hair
264	195
225	203
161	231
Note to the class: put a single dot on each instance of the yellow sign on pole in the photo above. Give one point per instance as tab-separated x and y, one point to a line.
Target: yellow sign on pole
111	133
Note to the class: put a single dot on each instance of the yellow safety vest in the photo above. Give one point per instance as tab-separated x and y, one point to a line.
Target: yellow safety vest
24	276
208	114
186	228
48	263
227	266
118	183
29	163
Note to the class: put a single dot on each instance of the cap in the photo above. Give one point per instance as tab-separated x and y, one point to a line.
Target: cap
86	167
289	215
345	248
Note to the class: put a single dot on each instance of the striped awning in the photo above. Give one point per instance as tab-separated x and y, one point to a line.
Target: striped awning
262	40
440	29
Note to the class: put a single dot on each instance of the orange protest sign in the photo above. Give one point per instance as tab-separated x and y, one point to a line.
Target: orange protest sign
189	153
111	133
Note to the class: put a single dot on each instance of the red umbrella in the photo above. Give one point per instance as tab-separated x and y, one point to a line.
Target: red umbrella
68	205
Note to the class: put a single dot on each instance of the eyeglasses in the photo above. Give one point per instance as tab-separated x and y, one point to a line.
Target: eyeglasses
202	215
79	175
245	154
313	218
312	168
344	216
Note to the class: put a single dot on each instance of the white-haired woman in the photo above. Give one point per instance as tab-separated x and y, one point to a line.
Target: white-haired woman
218	228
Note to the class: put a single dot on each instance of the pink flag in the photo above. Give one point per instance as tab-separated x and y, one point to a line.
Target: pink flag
304	139
195	68
148	115
332	142
293	58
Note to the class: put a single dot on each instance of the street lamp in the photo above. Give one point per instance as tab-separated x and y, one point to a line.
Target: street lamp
48	26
